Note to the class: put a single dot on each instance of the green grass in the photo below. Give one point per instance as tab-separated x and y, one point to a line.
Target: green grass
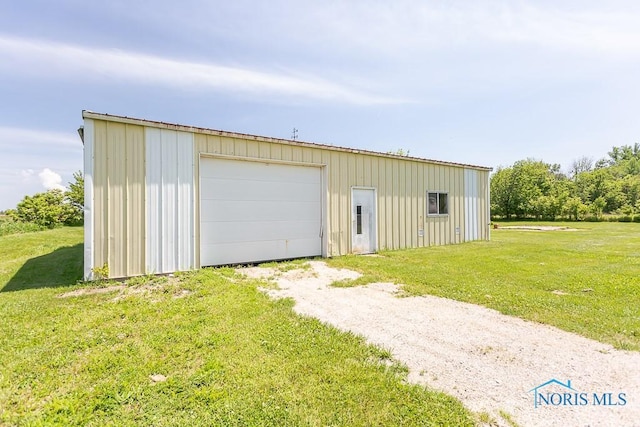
508	418
8	227
41	260
596	270
230	355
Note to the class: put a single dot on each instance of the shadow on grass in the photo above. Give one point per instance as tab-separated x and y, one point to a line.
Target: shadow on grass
61	267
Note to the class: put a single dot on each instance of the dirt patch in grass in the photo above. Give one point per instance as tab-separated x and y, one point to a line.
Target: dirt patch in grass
537	228
490	361
91	291
141	286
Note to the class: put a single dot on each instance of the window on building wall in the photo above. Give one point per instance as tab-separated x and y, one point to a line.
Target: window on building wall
437	203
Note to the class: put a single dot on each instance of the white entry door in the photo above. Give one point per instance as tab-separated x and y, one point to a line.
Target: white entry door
363	220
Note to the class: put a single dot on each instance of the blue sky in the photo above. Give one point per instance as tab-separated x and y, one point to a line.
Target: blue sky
480	82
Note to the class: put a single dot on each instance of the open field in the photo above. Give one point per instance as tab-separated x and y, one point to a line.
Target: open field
203	348
208	347
585	281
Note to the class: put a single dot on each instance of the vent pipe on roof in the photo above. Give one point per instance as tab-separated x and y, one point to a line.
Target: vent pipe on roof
81	133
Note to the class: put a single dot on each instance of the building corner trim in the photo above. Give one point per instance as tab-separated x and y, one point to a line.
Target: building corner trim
88	198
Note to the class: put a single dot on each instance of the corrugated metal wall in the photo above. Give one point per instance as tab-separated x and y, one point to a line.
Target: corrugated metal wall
170	201
146	207
118	198
402	187
471	205
484	211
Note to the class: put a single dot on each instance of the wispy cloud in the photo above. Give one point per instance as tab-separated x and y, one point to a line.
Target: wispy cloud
27	173
67	61
404	27
582	29
28	139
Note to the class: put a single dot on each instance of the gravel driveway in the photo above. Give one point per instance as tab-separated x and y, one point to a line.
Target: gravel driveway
489	361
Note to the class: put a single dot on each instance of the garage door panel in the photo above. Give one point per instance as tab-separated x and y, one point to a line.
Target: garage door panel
246	210
252	211
226	232
268	172
228	189
256	251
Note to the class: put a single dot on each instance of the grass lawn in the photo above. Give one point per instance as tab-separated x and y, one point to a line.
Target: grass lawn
203	348
585	281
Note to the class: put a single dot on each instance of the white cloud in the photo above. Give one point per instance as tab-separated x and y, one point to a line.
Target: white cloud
51	180
46	58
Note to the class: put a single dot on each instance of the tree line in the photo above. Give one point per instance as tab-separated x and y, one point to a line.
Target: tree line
534	189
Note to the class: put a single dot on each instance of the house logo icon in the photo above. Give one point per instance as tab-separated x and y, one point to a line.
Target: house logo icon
555	399
556	393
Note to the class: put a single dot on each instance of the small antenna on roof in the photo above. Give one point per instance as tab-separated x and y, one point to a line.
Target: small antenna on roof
294	134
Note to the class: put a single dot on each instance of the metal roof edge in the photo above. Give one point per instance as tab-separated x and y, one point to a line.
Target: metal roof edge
87	114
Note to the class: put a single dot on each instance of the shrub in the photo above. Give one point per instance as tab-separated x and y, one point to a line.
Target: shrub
47	209
54	207
101	273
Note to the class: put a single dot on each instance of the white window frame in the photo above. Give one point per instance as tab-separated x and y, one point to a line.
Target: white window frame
438	195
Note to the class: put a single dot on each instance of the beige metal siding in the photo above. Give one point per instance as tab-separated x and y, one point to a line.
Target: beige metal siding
401	185
136	219
119	213
444	229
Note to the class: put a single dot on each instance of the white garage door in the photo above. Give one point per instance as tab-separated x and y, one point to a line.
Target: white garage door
253	211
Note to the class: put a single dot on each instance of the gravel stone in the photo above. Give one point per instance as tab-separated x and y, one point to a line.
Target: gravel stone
488	360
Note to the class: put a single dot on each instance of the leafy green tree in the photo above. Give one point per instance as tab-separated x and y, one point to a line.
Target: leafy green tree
45	209
630	186
54	207
623	154
75	198
598	205
546	207
574	209
534	178
526	189
531	188
502	196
